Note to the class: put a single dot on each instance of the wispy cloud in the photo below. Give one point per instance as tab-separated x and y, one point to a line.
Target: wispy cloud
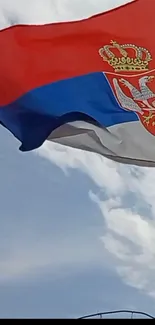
126	200
129	237
95	166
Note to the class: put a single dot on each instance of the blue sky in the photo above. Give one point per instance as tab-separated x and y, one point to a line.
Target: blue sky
76	230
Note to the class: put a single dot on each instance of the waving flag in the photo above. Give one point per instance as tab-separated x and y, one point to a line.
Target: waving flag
87	84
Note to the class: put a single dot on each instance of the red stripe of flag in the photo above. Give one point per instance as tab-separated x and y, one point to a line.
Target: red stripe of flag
32	56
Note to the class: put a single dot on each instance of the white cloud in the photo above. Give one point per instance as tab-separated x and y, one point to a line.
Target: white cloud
129	234
95	166
40	12
128	211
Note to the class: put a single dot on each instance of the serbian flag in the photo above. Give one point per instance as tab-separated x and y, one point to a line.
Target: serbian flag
87	84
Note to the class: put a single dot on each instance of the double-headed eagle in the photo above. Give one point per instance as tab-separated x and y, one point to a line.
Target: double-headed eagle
142	95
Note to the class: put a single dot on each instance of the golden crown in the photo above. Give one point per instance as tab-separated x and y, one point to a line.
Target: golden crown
127	57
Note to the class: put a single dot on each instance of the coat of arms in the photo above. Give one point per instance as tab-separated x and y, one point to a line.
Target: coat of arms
132	79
